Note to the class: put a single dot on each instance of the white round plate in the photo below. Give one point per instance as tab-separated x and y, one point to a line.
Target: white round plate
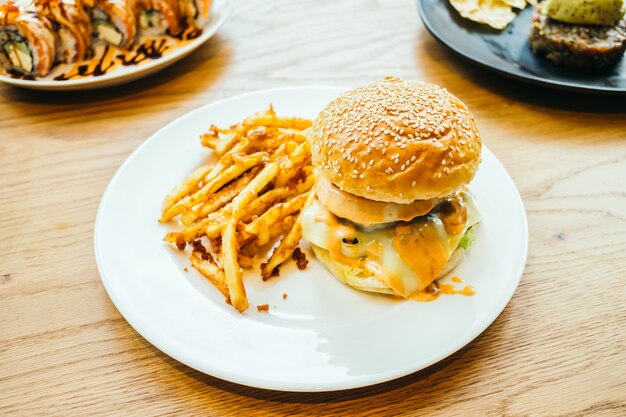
123	74
325	336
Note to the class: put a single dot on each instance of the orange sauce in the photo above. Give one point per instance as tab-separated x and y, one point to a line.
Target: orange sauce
375	251
424	296
336	233
450	289
433	291
392	280
420	248
417	244
453	215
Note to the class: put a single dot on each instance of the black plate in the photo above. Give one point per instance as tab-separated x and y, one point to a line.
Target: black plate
508	52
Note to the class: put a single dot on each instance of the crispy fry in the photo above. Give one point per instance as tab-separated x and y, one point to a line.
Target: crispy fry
252	195
300	157
264	202
288	244
209	141
261	225
194	231
232	270
211	137
217	200
297	135
223	140
269	119
250	192
245	261
250	246
281	150
189	185
213	229
240	166
212	271
307	183
225	144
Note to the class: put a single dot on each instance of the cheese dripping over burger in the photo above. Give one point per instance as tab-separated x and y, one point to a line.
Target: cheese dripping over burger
393	212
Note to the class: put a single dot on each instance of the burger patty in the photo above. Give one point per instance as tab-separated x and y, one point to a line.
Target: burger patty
588	47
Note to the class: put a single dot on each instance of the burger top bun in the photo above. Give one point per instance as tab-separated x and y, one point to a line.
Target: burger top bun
397	141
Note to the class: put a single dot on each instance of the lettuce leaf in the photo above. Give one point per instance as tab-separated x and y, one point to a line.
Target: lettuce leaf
468	238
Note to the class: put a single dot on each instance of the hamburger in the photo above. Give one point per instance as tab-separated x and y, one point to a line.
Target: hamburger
392	211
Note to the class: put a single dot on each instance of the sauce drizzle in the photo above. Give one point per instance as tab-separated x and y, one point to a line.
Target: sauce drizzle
453	215
151	49
111	57
434	290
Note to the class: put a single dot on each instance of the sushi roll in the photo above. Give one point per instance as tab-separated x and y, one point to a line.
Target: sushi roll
195	12
73	28
114	21
159	17
27	41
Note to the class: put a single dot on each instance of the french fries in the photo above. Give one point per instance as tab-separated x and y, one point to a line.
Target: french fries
232	270
212	271
255	193
240	165
288	244
260	226
216	201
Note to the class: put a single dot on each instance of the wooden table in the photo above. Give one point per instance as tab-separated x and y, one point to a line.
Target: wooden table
558	349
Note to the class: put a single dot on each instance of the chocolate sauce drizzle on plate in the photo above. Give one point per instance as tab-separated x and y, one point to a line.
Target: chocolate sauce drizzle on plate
101	68
152	49
148	50
18	75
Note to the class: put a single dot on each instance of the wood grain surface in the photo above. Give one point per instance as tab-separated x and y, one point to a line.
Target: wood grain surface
558	349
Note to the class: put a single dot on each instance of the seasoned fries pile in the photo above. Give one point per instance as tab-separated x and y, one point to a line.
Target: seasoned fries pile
257	191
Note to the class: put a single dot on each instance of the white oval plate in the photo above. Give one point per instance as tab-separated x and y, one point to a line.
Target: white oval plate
123	74
324	336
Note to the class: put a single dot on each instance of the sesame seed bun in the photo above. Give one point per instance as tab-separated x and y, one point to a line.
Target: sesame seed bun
396	141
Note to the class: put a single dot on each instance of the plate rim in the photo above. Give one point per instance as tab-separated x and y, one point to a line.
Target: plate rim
144	330
140	71
527	78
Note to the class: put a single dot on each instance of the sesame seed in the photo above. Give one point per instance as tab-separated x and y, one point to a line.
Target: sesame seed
390	113
413	184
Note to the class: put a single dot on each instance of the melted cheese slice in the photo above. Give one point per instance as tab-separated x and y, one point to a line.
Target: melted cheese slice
406	257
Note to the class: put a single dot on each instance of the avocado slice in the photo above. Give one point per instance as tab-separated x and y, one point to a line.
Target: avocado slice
19	55
106	31
586	12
